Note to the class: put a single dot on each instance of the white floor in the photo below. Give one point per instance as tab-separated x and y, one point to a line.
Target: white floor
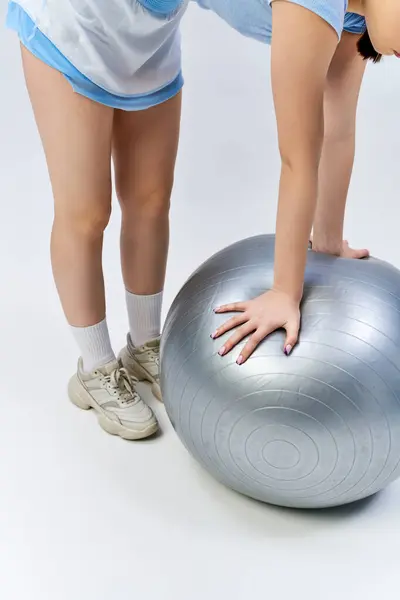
87	516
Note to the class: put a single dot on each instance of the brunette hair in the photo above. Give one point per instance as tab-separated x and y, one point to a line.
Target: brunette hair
367	50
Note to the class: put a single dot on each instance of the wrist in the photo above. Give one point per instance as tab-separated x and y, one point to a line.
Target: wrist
327	244
294	295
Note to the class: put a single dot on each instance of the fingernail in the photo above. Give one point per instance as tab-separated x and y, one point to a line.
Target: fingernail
217	309
222	351
288	349
214	335
240	360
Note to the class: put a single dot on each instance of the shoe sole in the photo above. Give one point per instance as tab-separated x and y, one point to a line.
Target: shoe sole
135	369
83	400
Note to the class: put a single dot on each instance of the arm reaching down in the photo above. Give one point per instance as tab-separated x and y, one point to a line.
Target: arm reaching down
302	49
341	95
303	45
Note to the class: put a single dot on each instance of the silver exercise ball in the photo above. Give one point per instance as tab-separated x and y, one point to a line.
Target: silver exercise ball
317	429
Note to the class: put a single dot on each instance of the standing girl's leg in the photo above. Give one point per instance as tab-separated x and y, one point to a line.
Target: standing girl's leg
144	152
76	136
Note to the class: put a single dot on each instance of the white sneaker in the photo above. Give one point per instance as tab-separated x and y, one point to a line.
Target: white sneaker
111	392
143	363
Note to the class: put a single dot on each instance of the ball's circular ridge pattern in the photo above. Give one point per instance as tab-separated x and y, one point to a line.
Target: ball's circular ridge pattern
317	429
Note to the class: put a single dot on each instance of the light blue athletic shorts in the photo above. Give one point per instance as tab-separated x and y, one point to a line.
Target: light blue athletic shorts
253	18
41	47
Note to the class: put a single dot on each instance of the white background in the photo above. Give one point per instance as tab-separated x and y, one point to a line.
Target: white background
87	516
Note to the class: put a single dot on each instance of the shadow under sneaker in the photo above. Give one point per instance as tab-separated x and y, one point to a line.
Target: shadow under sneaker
111	392
143	363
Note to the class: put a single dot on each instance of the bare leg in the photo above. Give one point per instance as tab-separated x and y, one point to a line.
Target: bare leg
76	136
144	152
341	97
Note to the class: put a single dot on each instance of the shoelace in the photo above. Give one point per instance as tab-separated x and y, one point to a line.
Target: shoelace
154	355
121	381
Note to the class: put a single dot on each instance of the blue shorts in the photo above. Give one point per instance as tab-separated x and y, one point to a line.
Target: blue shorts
41	47
253	18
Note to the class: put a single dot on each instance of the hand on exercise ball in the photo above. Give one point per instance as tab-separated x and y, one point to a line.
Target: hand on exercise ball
258	318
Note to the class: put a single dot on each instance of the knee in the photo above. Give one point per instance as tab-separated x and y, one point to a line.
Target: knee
151	203
87	221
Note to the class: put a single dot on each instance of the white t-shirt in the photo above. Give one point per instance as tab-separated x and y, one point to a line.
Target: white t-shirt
118	44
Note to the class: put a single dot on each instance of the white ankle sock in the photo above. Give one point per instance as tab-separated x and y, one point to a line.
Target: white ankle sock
94	345
144	314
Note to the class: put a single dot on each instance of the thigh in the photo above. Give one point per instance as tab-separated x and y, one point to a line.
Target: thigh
145	145
76	137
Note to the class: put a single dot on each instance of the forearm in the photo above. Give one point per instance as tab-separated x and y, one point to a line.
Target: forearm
341	95
297	201
335	172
